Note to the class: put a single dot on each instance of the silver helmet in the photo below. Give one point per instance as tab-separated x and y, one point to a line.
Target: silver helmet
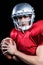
23	9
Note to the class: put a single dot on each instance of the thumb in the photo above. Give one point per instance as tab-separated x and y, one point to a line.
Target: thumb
10	41
14	43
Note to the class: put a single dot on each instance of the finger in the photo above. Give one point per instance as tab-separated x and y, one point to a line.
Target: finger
7	38
5	52
4	45
5	42
10	41
14	43
4	48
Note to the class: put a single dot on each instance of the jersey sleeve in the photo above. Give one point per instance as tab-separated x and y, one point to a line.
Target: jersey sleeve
37	33
13	34
41	34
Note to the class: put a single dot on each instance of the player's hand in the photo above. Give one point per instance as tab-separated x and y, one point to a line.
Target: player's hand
6	46
11	48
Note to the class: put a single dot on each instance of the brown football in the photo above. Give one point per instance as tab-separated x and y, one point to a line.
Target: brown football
9	40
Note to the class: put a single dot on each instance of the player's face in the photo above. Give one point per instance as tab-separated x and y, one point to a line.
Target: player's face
23	20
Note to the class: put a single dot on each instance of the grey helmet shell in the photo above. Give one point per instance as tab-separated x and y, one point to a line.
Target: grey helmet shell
23	9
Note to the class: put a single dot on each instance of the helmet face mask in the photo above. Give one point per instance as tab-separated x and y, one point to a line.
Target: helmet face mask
23	10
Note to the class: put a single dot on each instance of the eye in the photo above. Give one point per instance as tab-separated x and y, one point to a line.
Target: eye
30	15
24	16
19	17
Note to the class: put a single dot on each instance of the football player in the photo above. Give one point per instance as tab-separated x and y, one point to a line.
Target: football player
27	37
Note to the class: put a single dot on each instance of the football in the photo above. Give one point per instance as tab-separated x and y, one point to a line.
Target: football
5	42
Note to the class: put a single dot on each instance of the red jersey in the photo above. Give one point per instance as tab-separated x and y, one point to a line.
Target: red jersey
28	41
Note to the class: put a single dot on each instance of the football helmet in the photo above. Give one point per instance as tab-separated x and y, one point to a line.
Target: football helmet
23	9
